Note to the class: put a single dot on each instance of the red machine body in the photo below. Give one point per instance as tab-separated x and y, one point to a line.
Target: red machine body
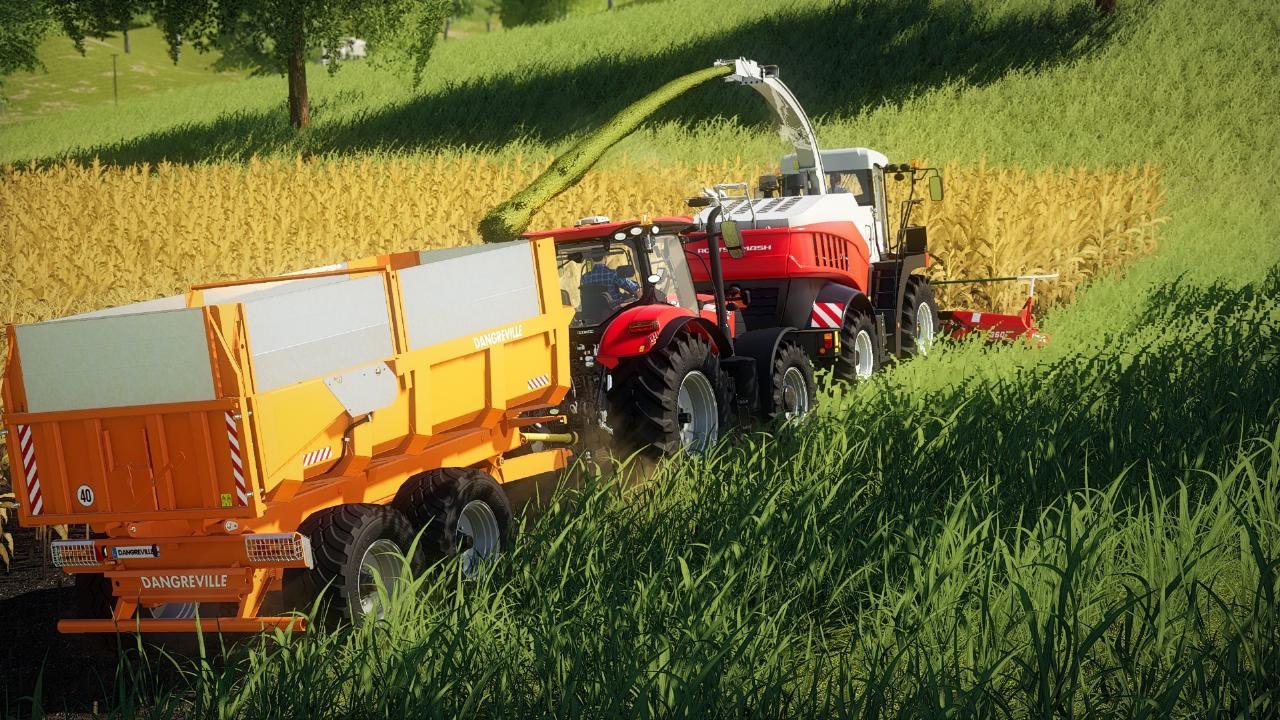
833	251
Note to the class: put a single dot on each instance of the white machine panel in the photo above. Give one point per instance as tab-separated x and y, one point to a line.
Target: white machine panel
363	390
303	331
464	291
116	360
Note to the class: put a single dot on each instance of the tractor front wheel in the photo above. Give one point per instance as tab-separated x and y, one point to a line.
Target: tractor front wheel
670	399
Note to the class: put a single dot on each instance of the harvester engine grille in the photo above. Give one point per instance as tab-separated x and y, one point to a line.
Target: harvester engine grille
831	251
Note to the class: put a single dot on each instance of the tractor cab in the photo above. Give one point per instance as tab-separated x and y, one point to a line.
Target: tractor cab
607	268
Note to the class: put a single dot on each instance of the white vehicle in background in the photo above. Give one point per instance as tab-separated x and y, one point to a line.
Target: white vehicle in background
349	48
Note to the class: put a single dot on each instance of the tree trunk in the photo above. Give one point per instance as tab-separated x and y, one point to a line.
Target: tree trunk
299	105
447	22
126	40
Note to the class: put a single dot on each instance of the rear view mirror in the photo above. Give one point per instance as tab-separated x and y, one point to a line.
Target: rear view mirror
935	188
732	239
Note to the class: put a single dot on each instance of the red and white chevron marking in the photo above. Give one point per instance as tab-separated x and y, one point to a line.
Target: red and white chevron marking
316	456
540	381
237	465
30	470
826	315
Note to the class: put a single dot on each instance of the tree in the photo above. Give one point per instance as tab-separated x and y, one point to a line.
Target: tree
23	24
275	35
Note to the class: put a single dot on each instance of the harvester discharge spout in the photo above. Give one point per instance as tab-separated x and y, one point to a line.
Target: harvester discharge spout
793	124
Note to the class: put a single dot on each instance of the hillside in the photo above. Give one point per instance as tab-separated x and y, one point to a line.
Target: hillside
1089	529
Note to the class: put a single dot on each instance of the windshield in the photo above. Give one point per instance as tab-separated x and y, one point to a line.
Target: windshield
675	285
597	277
600	276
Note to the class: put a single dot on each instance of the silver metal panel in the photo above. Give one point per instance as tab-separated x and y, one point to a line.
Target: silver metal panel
363	390
308	332
465	293
116	361
173	302
245	293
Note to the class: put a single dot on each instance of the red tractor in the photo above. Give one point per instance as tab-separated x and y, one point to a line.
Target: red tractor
655	364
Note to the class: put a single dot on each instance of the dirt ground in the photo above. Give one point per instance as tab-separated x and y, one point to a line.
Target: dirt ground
75	671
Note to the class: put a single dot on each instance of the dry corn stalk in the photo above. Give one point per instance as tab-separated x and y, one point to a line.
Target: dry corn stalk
7	502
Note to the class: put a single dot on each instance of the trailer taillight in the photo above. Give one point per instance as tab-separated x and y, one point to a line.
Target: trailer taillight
74	553
281	548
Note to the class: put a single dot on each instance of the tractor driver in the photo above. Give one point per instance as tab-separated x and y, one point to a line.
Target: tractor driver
616	283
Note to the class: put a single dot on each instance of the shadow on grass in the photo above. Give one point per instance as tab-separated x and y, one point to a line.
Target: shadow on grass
842	60
1169	399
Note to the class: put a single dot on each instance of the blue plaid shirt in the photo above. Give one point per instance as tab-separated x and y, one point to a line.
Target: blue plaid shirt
603	276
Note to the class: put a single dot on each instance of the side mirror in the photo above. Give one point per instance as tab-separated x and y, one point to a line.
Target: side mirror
732	239
935	188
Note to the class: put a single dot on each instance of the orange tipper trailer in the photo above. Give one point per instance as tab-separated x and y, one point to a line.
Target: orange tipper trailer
286	432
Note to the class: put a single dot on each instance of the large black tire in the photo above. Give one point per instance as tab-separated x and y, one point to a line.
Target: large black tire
435	501
918	302
645	411
341	537
856	362
782	399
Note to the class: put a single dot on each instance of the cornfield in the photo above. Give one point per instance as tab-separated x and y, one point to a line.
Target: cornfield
79	238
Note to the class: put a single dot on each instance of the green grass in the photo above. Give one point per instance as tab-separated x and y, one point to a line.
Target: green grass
71	81
1088	529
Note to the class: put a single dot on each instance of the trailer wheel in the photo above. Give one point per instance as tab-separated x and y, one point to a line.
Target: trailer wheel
668	400
919	322
355	547
859	358
465	513
792	390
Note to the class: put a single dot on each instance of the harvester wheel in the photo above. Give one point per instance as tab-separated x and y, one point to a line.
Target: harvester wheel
465	513
792	391
919	322
356	548
669	399
859	356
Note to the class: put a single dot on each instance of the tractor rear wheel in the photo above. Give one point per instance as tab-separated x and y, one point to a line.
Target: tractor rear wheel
859	357
357	548
669	400
919	322
461	512
792	390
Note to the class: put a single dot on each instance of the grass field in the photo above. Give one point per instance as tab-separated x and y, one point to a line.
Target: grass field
70	80
1086	530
